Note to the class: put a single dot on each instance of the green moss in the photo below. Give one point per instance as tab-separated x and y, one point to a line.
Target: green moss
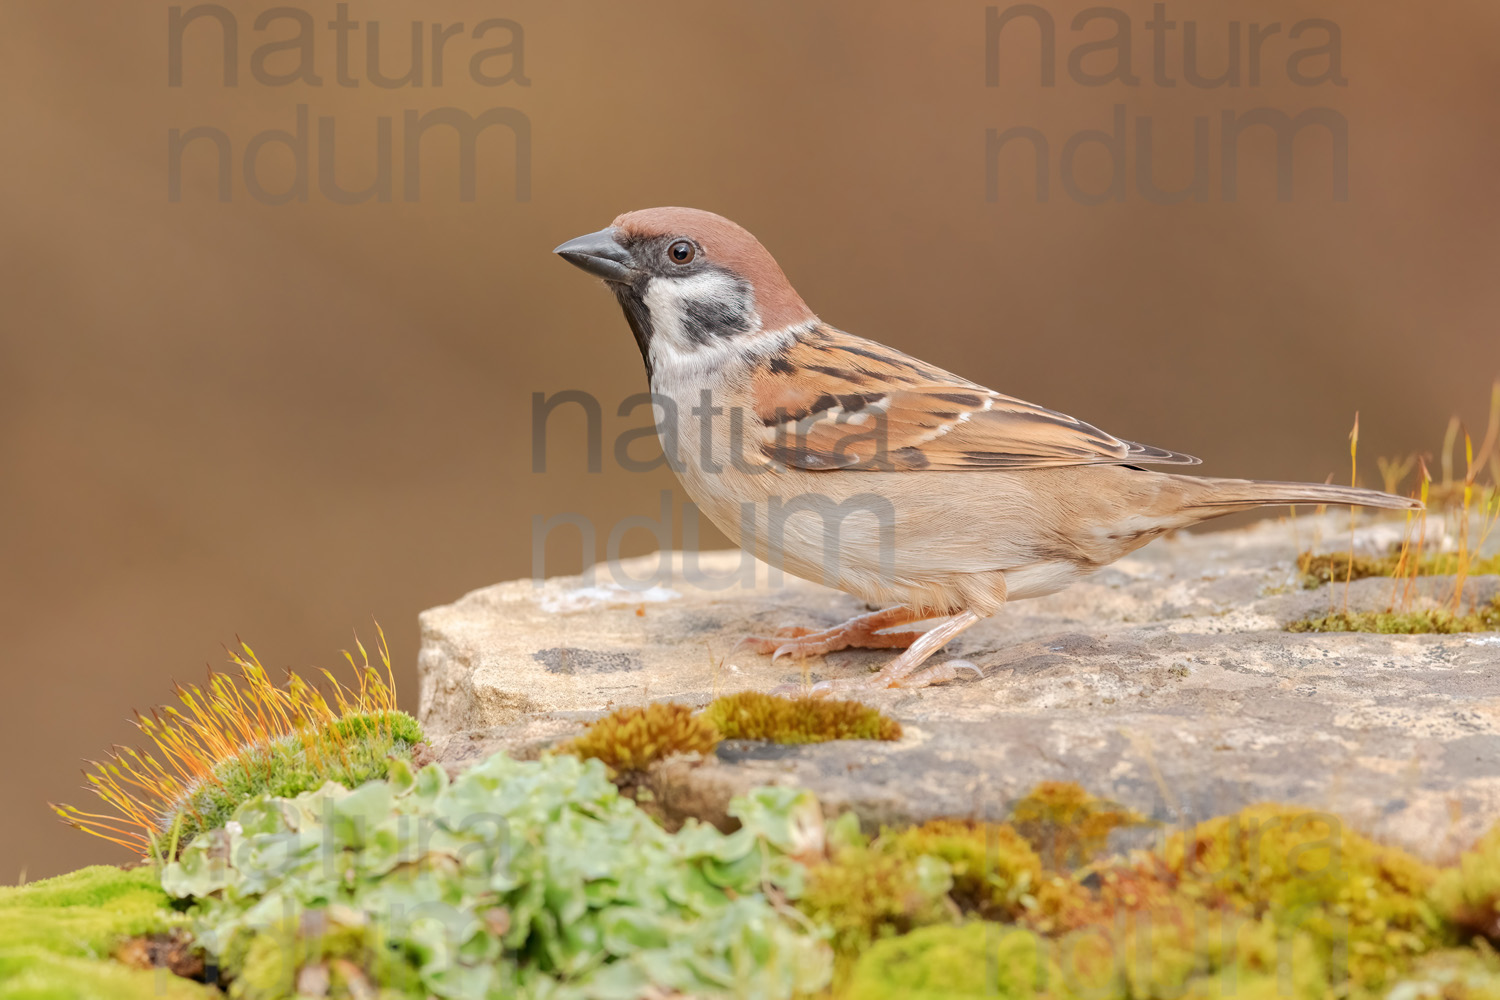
1337	567
864	894
954	963
1178	948
57	937
1334	567
84	913
348	960
1169	954
1271	902
1436	620
632	739
1184	949
930	874
397	727
992	866
1468	895
751	715
1066	825
355	749
934	873
1363	903
37	974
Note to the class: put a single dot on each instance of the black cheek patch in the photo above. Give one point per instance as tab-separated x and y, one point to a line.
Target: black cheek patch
705	319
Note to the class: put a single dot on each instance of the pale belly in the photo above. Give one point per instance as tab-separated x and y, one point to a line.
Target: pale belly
944	540
921	543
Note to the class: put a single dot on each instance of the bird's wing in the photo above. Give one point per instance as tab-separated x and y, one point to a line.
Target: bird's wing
835	401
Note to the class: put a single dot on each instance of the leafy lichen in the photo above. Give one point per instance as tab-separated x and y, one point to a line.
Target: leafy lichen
517	879
542	879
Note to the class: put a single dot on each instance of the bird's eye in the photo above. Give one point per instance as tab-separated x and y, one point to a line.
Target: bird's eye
681	252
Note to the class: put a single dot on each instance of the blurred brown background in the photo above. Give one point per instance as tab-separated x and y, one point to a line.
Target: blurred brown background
280	422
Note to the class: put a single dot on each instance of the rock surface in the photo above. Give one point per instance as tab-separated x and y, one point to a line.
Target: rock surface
1165	682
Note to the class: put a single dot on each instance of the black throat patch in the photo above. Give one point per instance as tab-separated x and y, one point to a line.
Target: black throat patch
705	320
639	318
702	321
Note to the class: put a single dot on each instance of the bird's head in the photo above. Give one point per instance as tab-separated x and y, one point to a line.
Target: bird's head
693	285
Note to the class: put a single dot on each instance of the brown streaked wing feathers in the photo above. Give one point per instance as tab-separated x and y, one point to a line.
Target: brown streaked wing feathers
835	401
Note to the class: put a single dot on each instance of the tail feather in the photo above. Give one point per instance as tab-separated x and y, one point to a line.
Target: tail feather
1240	493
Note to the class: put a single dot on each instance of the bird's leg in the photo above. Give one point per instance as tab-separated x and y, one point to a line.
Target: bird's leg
903	670
863	632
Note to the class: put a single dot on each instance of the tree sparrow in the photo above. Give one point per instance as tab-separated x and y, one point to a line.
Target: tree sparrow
849	463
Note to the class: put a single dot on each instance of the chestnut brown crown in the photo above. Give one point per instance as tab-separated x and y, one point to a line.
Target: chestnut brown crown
727	245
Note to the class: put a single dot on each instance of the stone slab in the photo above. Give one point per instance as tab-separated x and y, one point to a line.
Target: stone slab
1165	682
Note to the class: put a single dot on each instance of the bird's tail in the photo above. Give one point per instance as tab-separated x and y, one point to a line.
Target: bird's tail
1222	496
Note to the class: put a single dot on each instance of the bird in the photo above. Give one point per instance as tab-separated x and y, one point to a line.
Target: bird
841	460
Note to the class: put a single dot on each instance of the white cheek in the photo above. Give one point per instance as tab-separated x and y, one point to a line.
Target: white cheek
668	299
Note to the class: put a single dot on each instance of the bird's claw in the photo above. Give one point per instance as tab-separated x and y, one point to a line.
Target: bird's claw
772	644
956	665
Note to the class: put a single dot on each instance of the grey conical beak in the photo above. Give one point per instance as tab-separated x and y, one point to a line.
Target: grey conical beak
600	254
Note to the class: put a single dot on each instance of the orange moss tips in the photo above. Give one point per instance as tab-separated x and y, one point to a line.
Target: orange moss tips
632	739
1330	567
751	715
125	832
228	719
1066	825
